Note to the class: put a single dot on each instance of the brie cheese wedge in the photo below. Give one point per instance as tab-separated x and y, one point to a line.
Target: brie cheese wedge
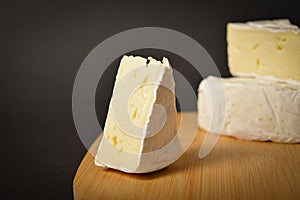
267	48
140	128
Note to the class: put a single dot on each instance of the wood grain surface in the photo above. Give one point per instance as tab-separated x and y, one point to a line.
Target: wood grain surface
234	169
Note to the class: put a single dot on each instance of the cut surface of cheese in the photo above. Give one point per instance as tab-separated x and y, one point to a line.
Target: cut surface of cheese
267	48
140	128
255	109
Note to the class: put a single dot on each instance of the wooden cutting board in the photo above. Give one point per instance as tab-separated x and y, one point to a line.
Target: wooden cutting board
234	169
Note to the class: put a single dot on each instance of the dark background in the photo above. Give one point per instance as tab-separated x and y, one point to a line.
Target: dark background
43	45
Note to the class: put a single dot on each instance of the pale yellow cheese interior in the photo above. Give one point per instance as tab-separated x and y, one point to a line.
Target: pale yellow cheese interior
264	51
139	105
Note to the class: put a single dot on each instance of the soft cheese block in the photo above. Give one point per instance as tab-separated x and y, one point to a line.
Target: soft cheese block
255	109
140	129
268	48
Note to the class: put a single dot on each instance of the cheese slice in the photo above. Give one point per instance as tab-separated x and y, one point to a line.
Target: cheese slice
255	109
267	48
140	128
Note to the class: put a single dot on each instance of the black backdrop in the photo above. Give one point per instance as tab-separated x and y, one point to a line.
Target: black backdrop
42	47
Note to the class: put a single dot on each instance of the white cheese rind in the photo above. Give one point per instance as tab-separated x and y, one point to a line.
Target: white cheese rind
255	109
277	25
269	77
152	102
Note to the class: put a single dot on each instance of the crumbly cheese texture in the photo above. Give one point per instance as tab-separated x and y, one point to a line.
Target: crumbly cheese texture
267	48
145	153
255	109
